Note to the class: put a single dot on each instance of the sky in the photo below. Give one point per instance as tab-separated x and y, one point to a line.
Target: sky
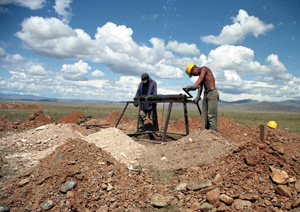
98	49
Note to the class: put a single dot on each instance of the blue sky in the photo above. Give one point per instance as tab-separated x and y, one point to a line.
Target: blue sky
99	49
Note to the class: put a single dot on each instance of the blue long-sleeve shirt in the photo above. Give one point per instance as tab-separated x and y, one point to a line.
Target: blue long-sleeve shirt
152	90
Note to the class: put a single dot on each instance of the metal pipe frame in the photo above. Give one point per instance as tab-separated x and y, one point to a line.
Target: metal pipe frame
184	101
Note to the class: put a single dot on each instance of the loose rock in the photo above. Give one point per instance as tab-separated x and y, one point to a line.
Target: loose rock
213	196
283	191
279	176
159	200
47	205
68	186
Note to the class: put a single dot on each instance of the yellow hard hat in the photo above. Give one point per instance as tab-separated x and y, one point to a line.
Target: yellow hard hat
188	69
272	124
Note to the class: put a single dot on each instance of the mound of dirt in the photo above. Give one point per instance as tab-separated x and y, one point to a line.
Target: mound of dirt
179	125
121	146
78	176
5	125
21	106
99	122
36	120
73	117
196	149
114	116
23	150
255	176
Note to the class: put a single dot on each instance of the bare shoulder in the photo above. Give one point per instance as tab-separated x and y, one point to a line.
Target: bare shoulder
205	69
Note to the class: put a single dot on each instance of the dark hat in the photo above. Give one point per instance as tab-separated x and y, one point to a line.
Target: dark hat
145	77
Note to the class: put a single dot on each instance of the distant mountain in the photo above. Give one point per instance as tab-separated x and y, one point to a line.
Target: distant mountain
20	97
43	99
290	102
244	101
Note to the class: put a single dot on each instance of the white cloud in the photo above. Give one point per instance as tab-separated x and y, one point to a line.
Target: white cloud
276	69
243	25
15	58
113	46
32	4
49	37
239	58
75	72
168	72
235	68
37	70
63	9
98	74
183	48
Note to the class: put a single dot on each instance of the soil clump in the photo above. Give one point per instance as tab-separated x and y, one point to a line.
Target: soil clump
36	119
73	117
5	124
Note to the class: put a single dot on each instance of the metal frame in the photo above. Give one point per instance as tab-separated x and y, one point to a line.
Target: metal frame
181	98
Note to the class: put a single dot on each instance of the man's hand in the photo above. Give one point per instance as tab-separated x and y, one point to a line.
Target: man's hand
191	88
197	99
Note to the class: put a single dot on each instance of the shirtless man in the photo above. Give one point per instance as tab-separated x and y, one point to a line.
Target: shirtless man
211	95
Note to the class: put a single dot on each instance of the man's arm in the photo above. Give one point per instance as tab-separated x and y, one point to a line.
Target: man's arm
201	76
199	82
154	88
200	89
138	92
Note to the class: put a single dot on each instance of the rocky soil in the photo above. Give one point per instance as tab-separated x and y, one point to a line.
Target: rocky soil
96	167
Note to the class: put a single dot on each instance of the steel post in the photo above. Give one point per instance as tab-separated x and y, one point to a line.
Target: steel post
186	118
122	114
167	121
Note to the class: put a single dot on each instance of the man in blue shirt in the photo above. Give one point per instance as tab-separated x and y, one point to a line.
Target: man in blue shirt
146	87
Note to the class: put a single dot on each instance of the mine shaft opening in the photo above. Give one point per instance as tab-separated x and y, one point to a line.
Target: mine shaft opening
154	137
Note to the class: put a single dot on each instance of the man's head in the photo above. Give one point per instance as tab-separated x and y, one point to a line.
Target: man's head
189	68
145	78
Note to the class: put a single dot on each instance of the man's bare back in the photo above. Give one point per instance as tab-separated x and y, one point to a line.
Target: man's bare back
206	78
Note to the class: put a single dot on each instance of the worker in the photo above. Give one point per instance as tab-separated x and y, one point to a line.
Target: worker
211	95
146	88
272	124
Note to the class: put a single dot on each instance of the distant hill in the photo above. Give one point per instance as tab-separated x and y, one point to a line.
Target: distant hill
43	99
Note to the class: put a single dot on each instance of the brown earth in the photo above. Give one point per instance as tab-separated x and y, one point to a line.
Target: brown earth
21	106
5	124
231	170
36	120
73	117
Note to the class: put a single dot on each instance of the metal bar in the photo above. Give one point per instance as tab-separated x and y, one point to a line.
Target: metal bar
179	97
167	121
161	101
186	91
138	122
122	114
154	118
186	118
199	107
